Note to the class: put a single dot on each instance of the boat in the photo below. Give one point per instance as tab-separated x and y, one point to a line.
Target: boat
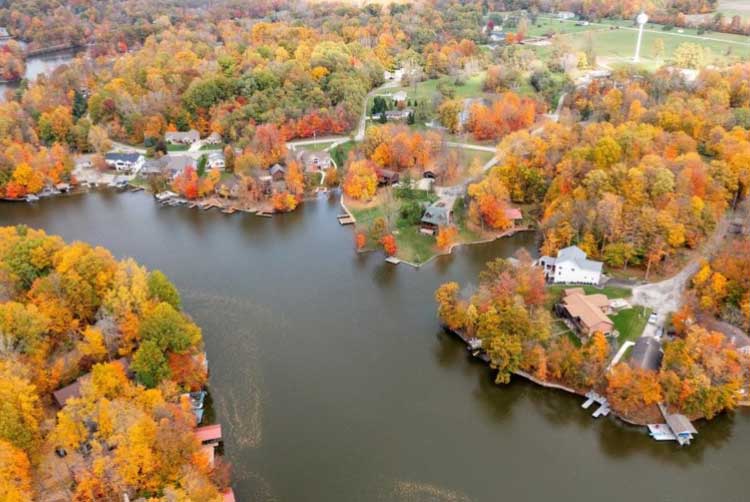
32	198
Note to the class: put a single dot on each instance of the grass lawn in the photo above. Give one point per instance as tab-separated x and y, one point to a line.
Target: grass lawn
630	323
177	148
212	147
341	152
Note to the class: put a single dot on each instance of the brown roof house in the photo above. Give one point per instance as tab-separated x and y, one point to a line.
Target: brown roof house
587	312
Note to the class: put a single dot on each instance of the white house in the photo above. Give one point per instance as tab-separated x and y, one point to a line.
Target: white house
128	162
400	97
215	160
571	266
566	14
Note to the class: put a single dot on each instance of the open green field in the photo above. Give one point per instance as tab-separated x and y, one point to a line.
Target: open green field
426	89
630	323
618	44
177	148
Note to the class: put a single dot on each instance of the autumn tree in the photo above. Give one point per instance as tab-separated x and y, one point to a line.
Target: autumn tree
360	181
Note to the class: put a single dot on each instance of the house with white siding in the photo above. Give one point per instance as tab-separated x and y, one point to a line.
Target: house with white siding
571	267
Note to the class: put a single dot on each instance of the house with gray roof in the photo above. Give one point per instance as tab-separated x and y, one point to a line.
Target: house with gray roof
647	354
124	161
439	214
571	267
4	35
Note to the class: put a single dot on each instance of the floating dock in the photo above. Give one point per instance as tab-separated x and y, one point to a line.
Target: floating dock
661	432
264	214
345	219
392	260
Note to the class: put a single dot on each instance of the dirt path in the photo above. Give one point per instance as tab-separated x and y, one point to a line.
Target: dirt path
666	296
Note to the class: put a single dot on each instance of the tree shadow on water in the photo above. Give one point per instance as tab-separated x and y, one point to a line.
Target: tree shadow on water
448	351
498	401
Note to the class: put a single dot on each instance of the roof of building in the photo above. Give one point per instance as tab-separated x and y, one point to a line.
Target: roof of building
214	156
277	168
400	96
229	496
4	32
208	433
647	354
386	173
214	136
62	395
180	135
576	255
125	157
680	424
587	309
513	213
177	163
439	212
74	390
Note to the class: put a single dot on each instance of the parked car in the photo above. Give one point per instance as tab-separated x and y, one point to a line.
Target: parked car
652	318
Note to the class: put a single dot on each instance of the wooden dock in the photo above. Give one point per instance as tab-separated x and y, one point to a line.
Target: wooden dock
345	219
392	260
264	214
228	210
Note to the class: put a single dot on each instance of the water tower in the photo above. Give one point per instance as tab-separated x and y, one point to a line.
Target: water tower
642	19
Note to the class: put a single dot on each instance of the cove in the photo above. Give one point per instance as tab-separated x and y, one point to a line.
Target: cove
334	381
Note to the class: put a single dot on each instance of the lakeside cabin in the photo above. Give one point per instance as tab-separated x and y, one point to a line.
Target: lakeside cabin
209	434
571	267
588	313
131	162
438	214
277	172
215	160
386	176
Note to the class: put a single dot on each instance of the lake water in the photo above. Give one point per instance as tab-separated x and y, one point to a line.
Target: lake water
334	382
35	66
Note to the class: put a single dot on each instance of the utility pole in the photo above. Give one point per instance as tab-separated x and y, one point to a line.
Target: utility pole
642	19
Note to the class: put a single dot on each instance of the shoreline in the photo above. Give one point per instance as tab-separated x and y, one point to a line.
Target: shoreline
482	356
507	233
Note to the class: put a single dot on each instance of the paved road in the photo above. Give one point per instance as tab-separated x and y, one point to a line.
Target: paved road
666	296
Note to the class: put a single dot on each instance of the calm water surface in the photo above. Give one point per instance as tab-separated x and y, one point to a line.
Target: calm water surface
333	381
35	66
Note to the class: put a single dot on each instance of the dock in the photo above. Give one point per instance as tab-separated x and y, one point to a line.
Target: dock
661	432
594	397
392	260
264	214
345	219
228	210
